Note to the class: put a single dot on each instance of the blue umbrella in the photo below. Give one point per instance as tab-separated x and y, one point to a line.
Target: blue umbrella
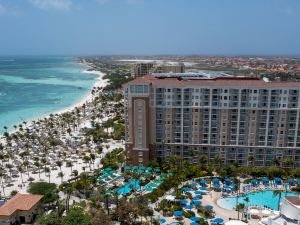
162	220
183	201
277	180
227	180
203	182
194	223
197	202
226	187
209	207
203	188
195	198
218	220
216	186
291	181
189	207
265	179
187	189
215	180
195	218
198	192
194	185
178	213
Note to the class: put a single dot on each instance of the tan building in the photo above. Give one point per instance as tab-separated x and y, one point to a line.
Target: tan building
22	208
199	119
169	68
142	69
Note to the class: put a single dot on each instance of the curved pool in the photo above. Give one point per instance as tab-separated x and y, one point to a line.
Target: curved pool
260	198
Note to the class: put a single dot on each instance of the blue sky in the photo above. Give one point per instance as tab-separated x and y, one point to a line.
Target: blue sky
76	27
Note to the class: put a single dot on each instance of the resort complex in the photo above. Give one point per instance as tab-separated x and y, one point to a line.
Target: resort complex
192	148
243	120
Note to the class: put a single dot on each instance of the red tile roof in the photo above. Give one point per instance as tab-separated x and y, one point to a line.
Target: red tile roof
22	202
294	200
217	82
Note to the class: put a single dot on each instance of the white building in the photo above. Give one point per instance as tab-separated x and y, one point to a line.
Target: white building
289	213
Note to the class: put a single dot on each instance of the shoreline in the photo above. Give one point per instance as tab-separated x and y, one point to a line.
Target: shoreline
99	82
14	181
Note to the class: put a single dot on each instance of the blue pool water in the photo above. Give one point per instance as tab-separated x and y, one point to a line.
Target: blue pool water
127	188
260	198
34	87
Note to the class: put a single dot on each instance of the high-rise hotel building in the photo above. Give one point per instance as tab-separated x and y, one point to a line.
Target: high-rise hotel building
229	117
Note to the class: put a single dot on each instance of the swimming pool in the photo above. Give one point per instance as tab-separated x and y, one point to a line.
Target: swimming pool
127	188
260	198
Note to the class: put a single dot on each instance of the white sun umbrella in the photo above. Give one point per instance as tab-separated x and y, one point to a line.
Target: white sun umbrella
235	222
266	212
253	211
170	198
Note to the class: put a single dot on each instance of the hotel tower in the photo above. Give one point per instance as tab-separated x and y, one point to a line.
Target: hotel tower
242	120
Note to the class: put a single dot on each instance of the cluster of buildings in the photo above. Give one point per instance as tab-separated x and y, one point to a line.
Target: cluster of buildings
144	68
242	120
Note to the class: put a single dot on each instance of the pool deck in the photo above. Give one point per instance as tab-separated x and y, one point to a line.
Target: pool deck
211	199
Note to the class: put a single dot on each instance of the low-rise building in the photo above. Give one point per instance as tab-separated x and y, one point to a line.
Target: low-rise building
22	208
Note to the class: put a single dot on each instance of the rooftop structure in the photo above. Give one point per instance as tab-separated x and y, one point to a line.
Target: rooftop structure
289	213
230	117
20	209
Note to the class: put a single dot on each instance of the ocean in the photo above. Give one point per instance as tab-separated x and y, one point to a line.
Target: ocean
34	87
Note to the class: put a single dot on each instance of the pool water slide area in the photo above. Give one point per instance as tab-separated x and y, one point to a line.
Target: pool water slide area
259	198
135	184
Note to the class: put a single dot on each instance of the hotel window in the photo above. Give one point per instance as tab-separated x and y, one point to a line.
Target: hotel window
131	88
139	88
140	154
146	89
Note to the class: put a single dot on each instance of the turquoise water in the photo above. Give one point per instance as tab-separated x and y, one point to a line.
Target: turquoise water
260	198
33	87
127	188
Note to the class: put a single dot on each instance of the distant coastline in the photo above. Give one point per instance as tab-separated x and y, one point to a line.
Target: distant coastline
79	102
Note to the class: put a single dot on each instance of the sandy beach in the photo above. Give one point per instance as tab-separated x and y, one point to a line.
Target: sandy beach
14	182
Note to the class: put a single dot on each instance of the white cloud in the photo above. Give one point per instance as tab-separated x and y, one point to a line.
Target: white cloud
289	11
134	1
103	1
63	5
124	1
2	9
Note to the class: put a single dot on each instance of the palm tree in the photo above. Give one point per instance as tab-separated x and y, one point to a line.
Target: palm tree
240	207
47	170
61	175
38	165
278	193
21	171
2	175
247	200
75	173
288	161
203	159
26	164
69	164
251	159
59	164
276	161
